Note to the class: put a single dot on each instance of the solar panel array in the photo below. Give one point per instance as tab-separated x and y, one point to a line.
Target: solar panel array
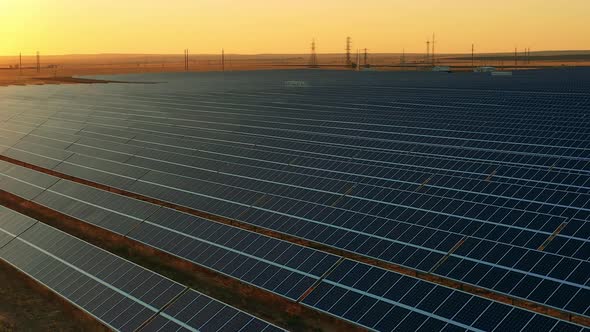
387	301
477	179
354	291
280	267
122	295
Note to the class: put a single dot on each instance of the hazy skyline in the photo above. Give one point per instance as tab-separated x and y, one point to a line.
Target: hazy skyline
259	26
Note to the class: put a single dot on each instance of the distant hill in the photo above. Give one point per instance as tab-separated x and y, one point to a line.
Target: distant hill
534	56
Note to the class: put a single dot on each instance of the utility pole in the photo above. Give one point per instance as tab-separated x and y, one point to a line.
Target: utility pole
433	49
186	59
515	58
473	56
366	56
348	45
222	59
427	52
38	63
358	60
403	61
20	64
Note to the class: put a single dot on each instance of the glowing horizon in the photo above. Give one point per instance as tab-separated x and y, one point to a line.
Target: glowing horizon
258	26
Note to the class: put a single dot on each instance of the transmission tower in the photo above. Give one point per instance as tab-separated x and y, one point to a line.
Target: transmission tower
427	52
348	45
433	49
313	58
403	59
472	56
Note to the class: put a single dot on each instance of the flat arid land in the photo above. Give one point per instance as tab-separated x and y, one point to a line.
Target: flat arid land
59	69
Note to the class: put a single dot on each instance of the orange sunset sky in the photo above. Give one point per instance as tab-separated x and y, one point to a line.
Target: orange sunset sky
287	26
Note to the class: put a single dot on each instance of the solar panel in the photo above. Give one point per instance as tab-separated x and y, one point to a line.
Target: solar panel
198	312
12	179
12	225
386	301
280	267
468	178
283	268
63	264
122	295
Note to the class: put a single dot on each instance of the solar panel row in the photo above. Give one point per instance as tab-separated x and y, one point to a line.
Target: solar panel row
386	301
122	295
280	267
520	228
263	207
557	82
121	133
370	292
490	188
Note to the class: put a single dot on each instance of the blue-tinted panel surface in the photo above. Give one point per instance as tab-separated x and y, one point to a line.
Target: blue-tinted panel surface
402	167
